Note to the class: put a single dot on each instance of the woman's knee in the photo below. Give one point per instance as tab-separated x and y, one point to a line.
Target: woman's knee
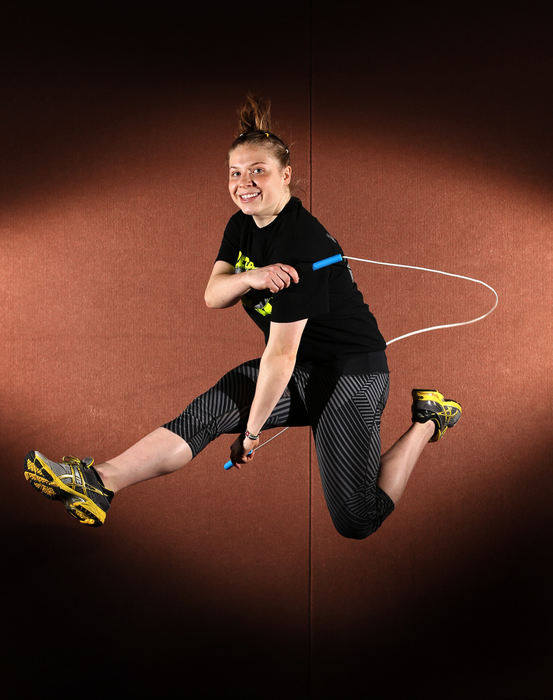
353	528
360	516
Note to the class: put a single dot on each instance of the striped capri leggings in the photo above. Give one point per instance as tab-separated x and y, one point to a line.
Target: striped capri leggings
344	413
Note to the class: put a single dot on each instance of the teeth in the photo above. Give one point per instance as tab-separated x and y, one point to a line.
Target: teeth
249	196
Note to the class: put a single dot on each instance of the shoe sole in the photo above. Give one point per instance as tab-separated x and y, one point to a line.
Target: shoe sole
39	474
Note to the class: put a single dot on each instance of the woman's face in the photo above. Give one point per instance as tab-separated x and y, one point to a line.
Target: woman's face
258	184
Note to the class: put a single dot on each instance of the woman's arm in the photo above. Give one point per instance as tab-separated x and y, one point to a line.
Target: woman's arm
225	288
277	365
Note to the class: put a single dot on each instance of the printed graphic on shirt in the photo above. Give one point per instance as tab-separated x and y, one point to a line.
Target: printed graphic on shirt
243	263
263	307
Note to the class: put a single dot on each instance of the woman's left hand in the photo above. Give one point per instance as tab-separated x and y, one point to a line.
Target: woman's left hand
240	450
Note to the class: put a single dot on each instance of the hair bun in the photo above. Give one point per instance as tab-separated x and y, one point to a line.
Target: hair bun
255	129
254	115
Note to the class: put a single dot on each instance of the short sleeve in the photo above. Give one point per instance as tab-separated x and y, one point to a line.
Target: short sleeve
309	298
300	246
230	245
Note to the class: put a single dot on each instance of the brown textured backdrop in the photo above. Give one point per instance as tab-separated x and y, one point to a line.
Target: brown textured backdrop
419	139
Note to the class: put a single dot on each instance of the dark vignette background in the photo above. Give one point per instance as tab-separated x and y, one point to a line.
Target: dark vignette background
419	136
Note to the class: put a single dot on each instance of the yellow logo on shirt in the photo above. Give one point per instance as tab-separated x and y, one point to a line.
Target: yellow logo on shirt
243	263
263	307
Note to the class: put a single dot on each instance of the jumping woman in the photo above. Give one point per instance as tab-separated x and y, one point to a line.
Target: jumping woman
324	363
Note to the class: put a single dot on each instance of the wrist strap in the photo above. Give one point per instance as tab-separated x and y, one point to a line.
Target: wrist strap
248	435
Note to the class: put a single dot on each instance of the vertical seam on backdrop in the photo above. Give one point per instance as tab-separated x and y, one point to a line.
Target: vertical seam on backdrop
310	451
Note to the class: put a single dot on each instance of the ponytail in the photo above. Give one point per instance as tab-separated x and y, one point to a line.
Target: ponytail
254	115
255	128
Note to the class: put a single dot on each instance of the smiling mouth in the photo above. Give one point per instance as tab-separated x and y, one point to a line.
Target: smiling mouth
248	197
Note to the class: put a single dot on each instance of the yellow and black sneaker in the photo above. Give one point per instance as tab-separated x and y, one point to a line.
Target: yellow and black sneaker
72	481
429	404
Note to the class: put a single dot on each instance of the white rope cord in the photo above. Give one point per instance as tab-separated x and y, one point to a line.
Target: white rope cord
438	272
421	330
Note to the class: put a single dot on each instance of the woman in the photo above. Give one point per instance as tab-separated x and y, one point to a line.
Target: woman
324	363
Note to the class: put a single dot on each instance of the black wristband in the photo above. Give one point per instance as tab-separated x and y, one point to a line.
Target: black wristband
248	435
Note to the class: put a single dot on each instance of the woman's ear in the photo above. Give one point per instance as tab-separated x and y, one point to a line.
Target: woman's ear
287	174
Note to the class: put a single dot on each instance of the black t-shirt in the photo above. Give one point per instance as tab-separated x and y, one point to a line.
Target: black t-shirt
341	332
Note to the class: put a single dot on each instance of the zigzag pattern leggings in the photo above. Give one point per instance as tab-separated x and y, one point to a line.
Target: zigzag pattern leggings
342	410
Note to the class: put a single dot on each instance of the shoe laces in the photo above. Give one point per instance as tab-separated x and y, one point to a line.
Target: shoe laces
72	461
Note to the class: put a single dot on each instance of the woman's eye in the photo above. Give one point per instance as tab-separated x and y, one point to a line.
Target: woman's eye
257	171
234	173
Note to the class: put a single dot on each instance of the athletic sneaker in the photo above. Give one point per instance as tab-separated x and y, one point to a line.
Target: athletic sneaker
72	481
429	404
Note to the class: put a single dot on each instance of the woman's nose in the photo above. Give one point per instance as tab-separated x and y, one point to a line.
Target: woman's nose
246	179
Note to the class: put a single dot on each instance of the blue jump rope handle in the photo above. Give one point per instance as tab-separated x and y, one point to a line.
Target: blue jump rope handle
316	266
229	464
327	261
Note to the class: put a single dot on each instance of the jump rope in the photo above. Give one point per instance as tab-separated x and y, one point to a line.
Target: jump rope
325	262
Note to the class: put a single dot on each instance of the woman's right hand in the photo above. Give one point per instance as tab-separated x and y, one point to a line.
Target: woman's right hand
272	277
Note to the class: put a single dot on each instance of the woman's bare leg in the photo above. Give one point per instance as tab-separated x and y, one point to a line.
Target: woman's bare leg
399	461
161	452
